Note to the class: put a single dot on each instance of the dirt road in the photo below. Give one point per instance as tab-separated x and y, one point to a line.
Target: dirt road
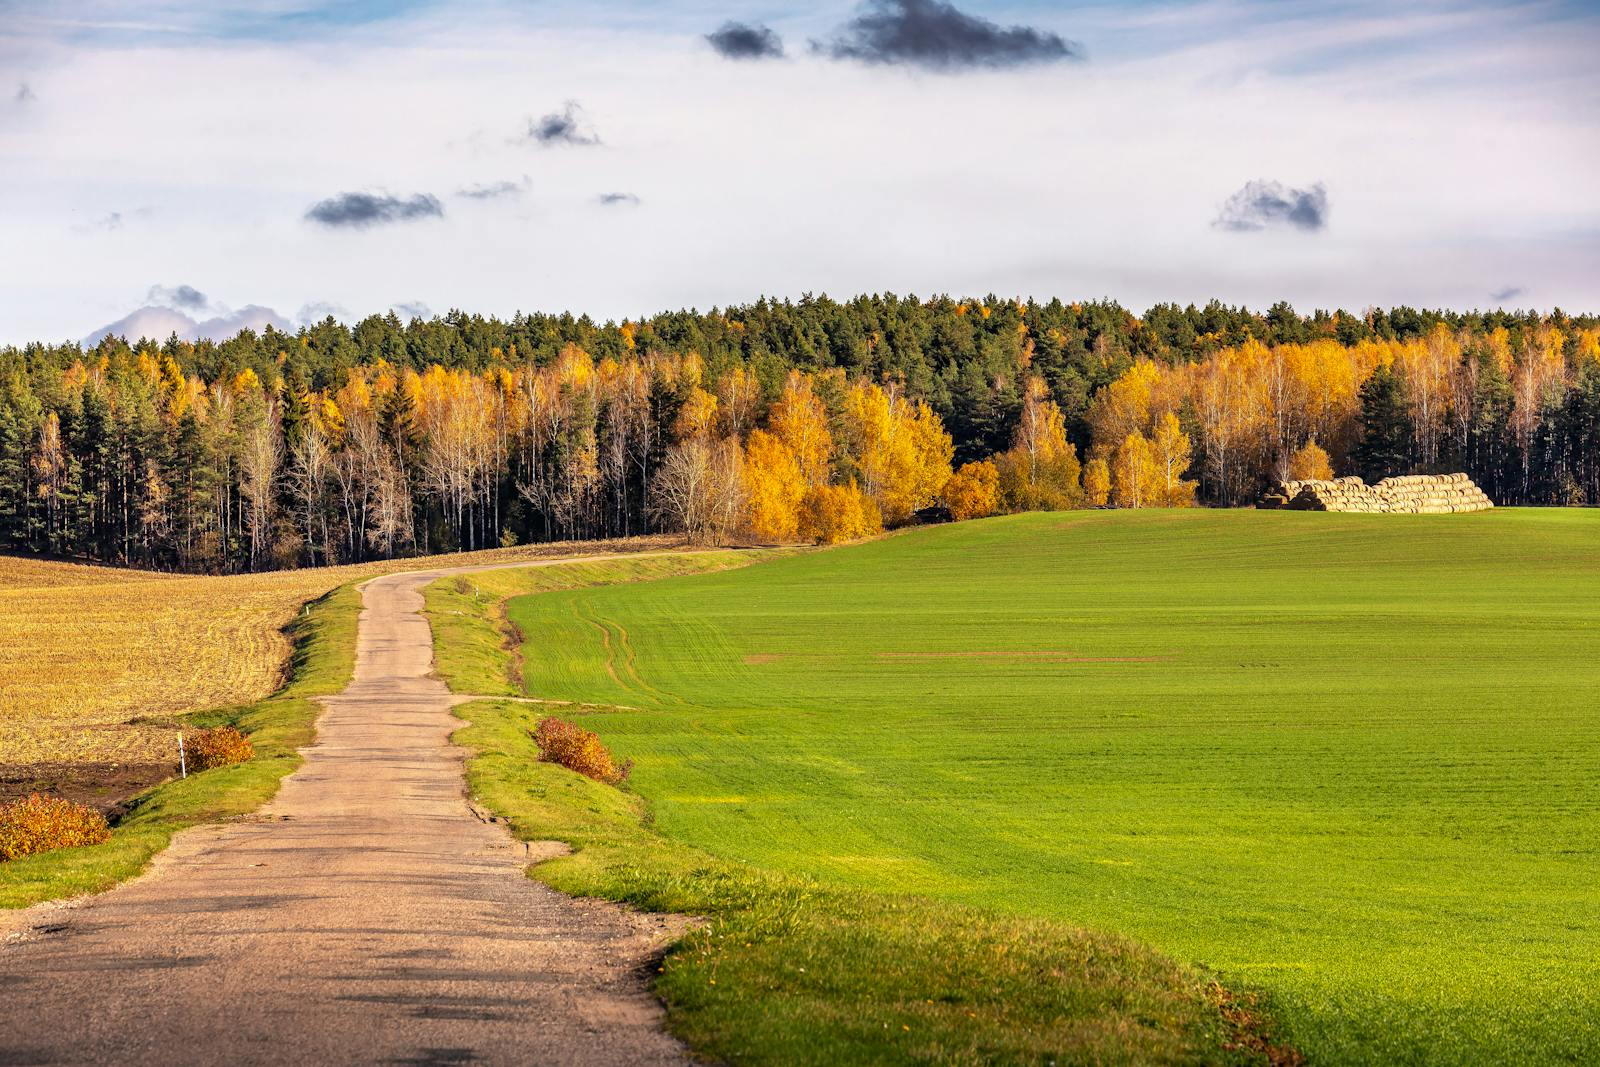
366	916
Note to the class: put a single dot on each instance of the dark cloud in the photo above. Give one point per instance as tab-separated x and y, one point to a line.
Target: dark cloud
493	190
25	94
1510	292
1262	204
564	127
615	199
360	210
745	40
935	35
180	296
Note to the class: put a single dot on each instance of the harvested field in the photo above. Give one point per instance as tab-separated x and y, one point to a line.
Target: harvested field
97	660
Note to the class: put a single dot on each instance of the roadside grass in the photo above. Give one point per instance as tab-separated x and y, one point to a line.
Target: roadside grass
788	969
324	658
1347	759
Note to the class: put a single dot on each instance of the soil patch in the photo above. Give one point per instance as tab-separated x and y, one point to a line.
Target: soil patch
105	786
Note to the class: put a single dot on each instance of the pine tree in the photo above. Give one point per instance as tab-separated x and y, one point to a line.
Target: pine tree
1384	446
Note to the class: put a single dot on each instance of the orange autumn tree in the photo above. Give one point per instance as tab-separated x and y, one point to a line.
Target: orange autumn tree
973	492
830	514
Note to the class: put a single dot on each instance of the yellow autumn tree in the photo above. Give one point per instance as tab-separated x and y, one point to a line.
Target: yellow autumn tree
1040	472
830	514
774	487
1096	483
1171	456
900	449
973	491
800	421
1309	463
698	416
1135	476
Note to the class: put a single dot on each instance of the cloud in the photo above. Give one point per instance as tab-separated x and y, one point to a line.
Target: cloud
1262	203
25	94
615	199
564	127
315	312
112	221
159	323
416	309
493	190
180	296
1510	292
746	40
936	36
360	210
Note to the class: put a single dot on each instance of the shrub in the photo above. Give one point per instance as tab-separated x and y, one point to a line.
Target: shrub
577	749
39	823
217	747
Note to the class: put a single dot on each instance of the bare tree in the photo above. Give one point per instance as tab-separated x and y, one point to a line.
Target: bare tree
260	453
699	490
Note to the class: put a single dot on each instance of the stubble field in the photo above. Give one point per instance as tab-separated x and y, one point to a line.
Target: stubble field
98	660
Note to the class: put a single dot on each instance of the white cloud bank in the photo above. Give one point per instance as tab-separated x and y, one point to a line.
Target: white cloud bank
1457	146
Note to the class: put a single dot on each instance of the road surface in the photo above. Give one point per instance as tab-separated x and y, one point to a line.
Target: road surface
367	915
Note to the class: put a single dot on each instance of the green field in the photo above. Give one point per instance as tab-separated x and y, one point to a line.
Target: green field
1351	760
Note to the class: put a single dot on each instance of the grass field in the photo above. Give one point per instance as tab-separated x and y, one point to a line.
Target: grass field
1351	760
787	970
94	661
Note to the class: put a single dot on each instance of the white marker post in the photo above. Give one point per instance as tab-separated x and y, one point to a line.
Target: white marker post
183	761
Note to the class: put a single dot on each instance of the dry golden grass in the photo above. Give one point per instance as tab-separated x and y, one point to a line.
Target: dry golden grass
85	651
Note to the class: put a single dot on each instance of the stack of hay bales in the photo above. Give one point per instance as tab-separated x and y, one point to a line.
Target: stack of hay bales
1412	494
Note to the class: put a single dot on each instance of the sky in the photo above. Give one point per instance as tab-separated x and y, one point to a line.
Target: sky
193	167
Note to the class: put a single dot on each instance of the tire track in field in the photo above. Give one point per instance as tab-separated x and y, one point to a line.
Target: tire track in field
621	661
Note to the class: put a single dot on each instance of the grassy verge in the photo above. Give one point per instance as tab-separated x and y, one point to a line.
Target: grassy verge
788	970
278	727
791	971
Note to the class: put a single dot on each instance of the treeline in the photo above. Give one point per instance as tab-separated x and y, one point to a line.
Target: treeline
777	420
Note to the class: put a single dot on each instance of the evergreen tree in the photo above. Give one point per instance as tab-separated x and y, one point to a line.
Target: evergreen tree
1384	446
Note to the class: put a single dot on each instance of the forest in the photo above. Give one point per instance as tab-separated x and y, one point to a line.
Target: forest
779	420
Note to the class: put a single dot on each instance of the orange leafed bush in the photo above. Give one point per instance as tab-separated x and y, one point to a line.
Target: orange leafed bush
216	747
577	749
39	823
